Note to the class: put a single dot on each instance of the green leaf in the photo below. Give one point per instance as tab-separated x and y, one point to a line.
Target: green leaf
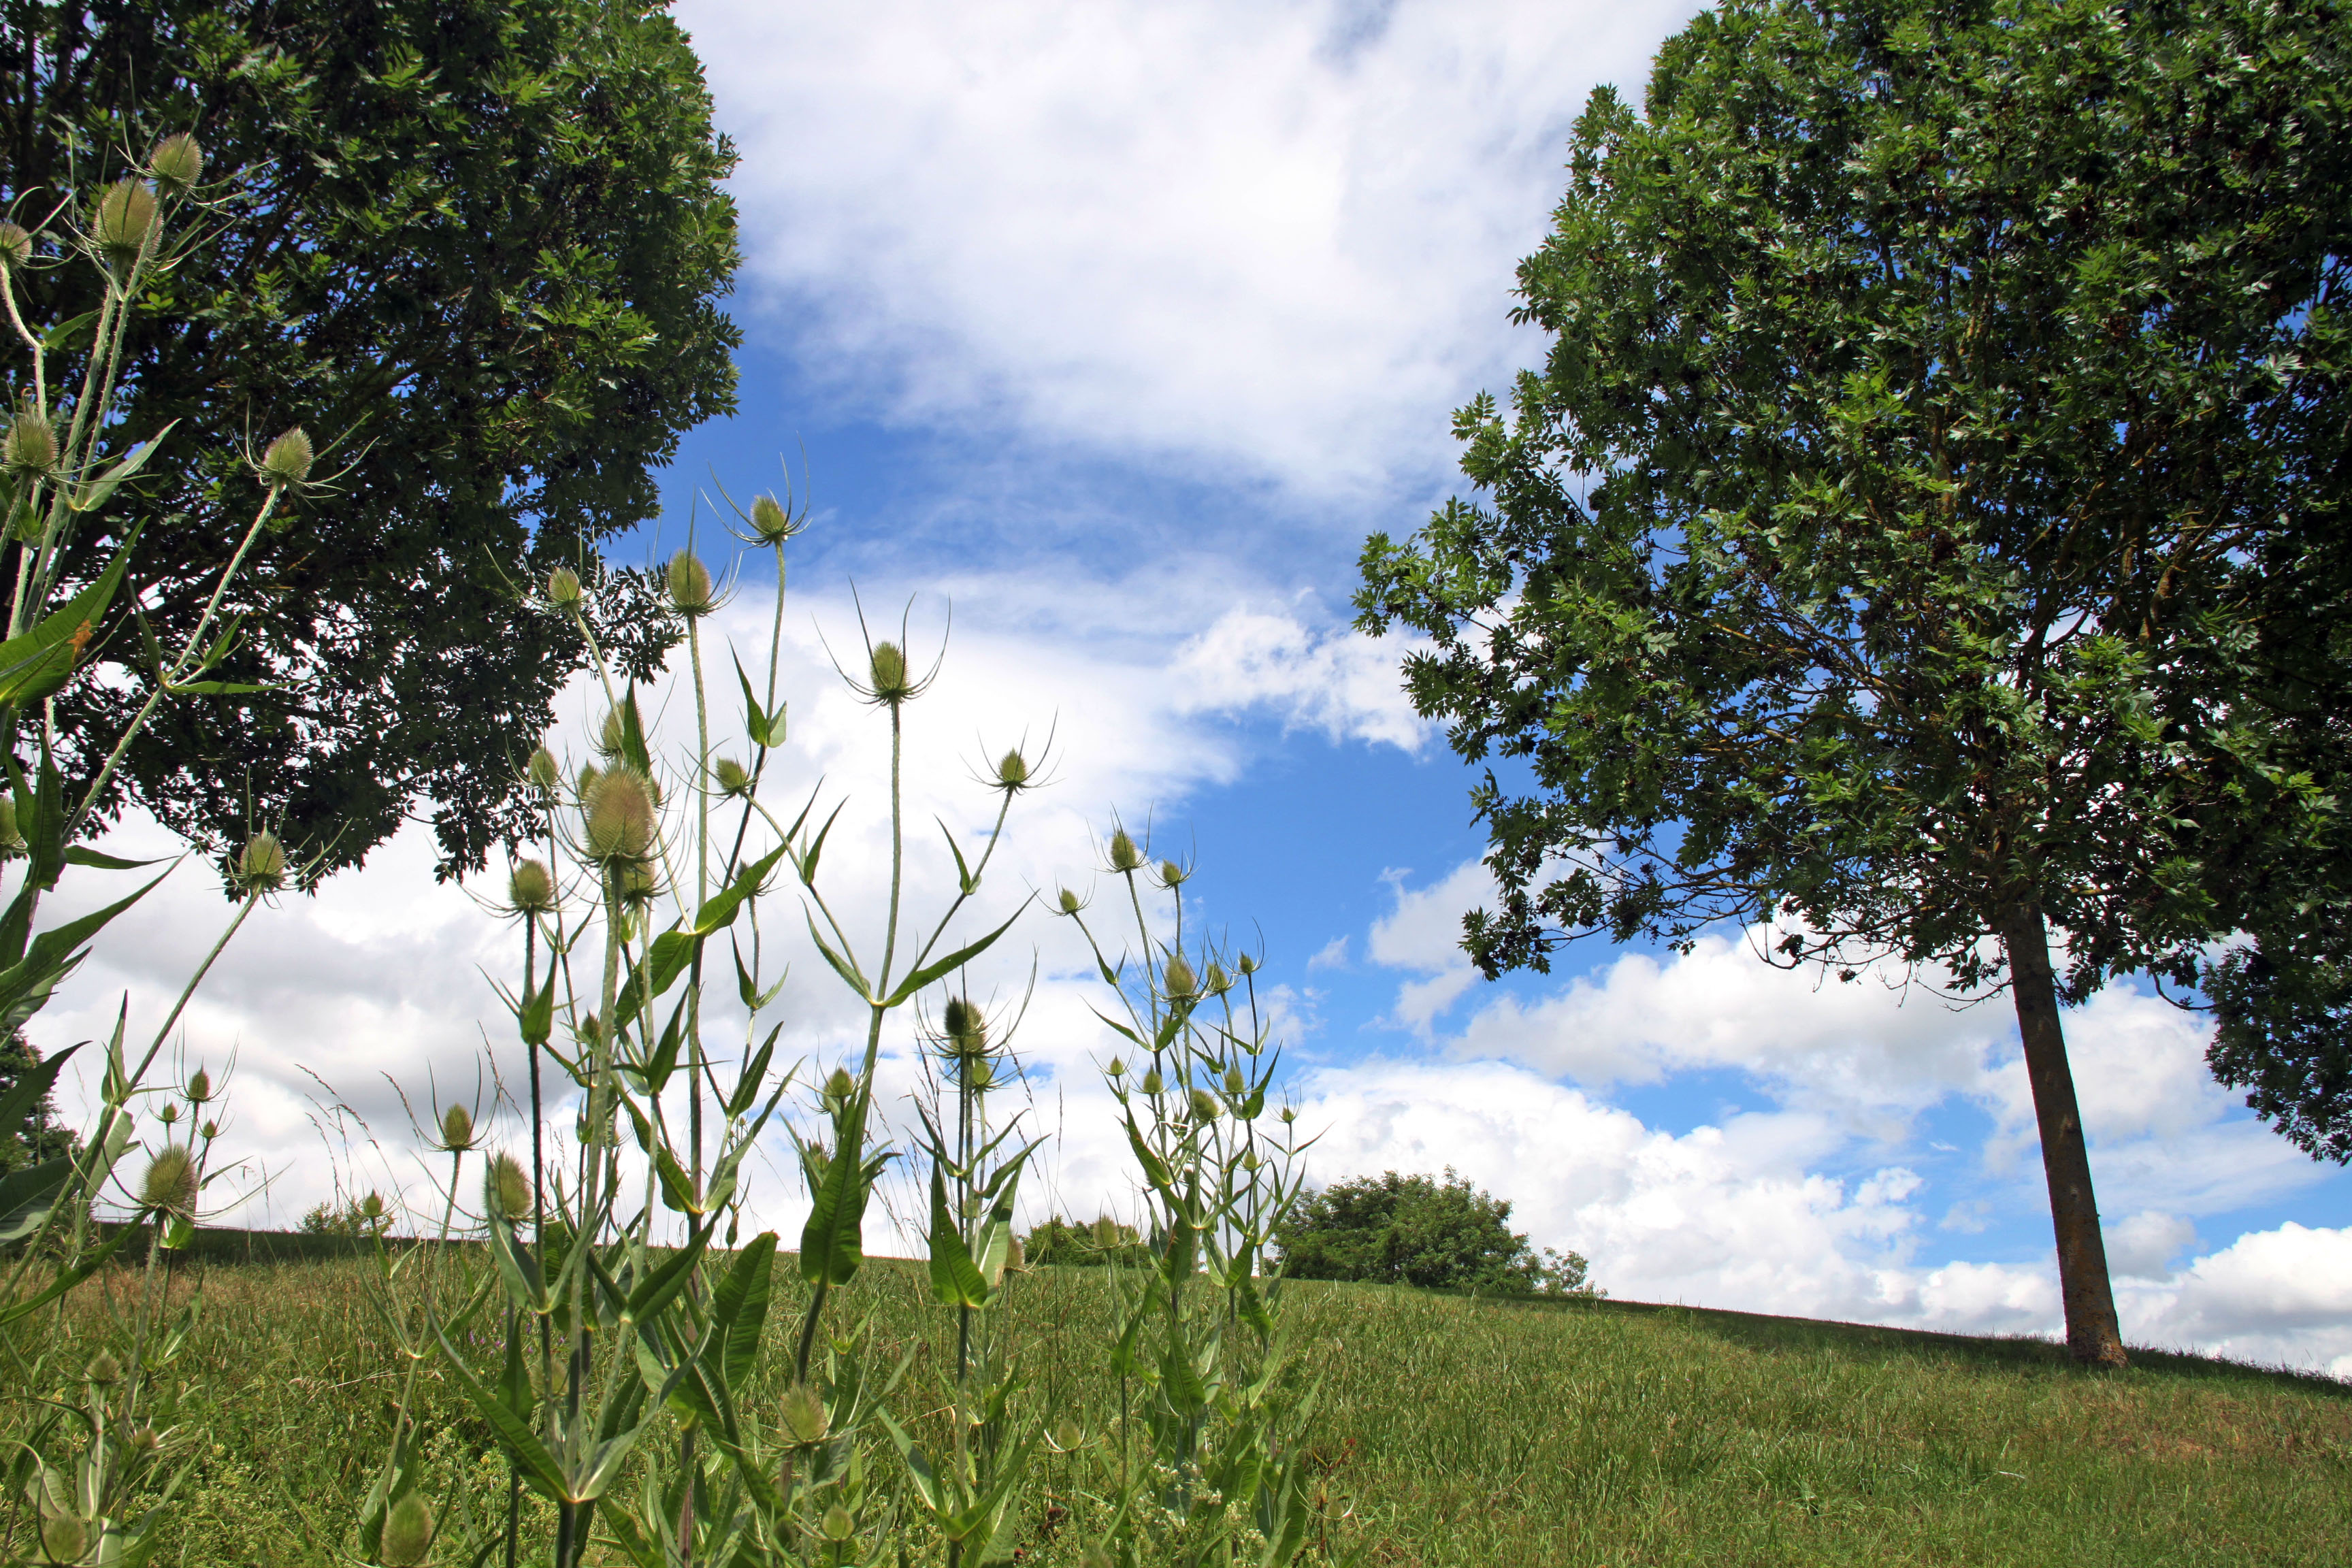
66	1279
955	1280
805	861
83	855
36	663
831	1242
739	1311
20	1107
841	966
519	1270
95	493
661	1286
27	1194
74	332
52	957
952	961
720	913
536	1016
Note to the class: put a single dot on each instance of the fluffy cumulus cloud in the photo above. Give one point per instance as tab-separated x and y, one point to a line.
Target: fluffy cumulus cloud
1275	237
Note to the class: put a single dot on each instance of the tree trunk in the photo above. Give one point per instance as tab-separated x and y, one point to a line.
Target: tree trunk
2093	1335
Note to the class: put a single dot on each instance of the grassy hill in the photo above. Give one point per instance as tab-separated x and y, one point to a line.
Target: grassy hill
1458	1432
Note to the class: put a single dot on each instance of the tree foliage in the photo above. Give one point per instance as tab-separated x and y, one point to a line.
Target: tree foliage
1420	1230
1881	551
37	1134
479	245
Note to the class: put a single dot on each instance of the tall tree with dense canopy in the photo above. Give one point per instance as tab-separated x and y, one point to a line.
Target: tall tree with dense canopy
1880	552
478	244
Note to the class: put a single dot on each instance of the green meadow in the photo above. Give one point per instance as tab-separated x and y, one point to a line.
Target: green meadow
1449	1430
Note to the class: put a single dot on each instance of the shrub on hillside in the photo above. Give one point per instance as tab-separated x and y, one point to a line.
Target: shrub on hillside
1419	1230
1067	1242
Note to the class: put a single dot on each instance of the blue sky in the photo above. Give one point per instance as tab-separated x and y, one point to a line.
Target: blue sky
1117	329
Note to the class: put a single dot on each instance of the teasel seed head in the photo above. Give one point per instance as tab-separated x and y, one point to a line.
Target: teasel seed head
1117	1068
12	837
734	779
838	1525
531	888
457	1129
885	670
563	588
965	1027
30	447
639	886
1246	965
506	1188
103	1370
1204	1105
169	1185
589	774
1016	1256
618	813
1235	1082
1216	982
261	866
613	736
372	1207
1124	856
1152	1082
1013	772
407	1532
543	771
1289	1114
286	461
209	1131
16	244
689	585
63	1539
120	223
1171	875
803	1414
143	1441
840	1086
1070	902
177	162
769	521
200	1087
1177	978
169	1114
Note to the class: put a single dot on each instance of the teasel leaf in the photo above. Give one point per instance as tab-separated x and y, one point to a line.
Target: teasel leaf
832	1243
841	966
536	1016
29	1193
677	1189
738	1312
95	493
88	1264
804	861
955	1280
51	957
721	911
32	1088
37	662
951	962
661	1286
74	332
83	855
965	882
519	1270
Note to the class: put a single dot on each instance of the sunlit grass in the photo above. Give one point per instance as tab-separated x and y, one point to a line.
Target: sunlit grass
1451	1431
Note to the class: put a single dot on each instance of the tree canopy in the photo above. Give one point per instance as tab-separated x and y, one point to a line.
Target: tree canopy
1880	553
477	243
1419	1230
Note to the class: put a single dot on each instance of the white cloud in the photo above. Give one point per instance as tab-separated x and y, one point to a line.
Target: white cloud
1277	237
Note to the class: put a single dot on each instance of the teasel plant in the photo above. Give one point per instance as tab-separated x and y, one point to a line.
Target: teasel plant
69	527
1213	1410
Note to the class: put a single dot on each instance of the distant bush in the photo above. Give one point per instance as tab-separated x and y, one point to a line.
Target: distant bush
1066	1242
360	1218
1419	1230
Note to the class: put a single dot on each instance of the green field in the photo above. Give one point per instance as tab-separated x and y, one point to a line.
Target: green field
1451	1431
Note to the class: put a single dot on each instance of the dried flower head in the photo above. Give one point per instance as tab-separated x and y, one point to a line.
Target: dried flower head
771	522
169	1185
30	447
177	162
733	778
618	814
1177	979
563	587
1204	1105
965	1027
261	865
886	677
286	461
103	1370
1124	856
689	585
16	244
1171	875
200	1087
1070	902
505	1189
803	1414
531	888
121	222
1152	1082
1012	771
407	1533
457	1129
543	771
840	1086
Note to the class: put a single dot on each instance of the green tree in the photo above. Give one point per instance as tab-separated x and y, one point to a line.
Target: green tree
38	1135
479	243
1878	552
1418	1230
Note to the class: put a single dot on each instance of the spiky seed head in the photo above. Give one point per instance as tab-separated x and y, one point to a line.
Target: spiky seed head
885	670
1124	856
171	1114
543	771
803	1414
16	244
456	1128
12	837
1069	1437
1105	1230
613	734
1235	1082
177	162
840	1086
261	866
1016	1256
531	888
407	1532
639	886
734	778
618	811
31	445
589	774
965	1027
120	223
1204	1105
1012	771
286	461
1070	902
169	1185
837	1524
1246	965
103	1370
1117	1068
1171	875
1250	1162
1177	979
769	521
144	1441
563	587
1289	1115
200	1087
1097	1558
1152	1082
588	1029
209	1131
505	1189
689	585
371	1207
1216	982
63	1539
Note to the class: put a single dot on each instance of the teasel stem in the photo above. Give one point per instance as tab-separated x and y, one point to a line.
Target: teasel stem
571	1539
701	897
